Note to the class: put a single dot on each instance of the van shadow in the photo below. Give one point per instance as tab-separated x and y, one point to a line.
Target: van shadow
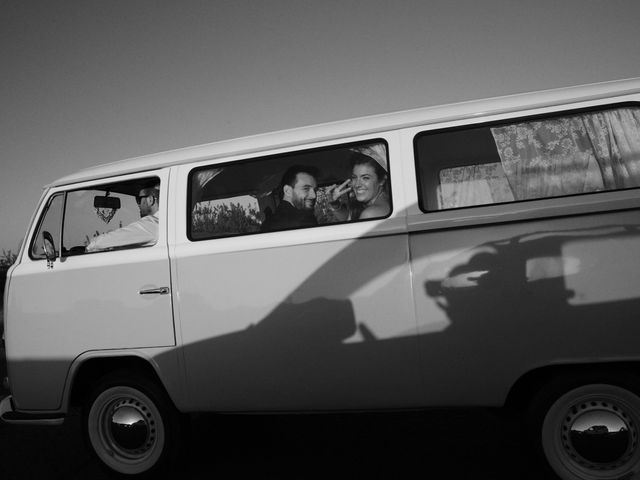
523	296
549	297
529	295
522	286
283	350
453	444
507	304
296	359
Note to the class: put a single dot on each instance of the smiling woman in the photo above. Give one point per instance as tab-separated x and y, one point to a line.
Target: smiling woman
369	186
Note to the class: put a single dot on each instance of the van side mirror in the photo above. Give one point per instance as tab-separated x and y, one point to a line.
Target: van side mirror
49	248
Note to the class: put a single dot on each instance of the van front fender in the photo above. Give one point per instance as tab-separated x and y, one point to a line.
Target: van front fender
160	364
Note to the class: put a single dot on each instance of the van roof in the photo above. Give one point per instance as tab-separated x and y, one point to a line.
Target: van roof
358	126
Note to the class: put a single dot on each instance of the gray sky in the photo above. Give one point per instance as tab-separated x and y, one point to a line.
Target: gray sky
87	82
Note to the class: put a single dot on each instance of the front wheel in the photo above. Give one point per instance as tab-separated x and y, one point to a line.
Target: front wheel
130	425
591	432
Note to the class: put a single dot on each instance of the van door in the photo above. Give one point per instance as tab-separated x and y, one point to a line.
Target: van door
116	298
304	318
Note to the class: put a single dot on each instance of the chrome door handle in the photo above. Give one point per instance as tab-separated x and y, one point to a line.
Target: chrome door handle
155	291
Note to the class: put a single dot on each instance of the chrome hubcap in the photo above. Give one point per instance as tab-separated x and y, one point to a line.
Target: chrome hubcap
599	435
129	428
126	429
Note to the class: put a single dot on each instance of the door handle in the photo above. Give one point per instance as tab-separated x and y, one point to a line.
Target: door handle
155	291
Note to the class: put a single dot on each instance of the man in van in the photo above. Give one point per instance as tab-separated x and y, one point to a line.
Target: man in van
298	186
141	232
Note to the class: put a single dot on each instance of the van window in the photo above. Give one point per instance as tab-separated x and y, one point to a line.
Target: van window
545	157
113	216
51	221
296	190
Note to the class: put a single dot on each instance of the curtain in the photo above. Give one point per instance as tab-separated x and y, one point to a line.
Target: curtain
616	142
473	185
564	156
200	179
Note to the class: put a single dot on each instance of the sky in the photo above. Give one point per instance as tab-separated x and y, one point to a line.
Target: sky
86	82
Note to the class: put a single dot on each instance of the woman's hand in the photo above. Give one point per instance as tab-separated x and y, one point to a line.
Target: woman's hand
336	191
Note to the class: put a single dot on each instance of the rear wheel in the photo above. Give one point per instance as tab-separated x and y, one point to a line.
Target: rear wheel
131	425
591	431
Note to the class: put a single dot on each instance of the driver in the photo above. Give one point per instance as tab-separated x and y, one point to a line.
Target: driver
142	232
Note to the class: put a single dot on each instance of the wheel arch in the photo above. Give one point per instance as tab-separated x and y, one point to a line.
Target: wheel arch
88	370
528	384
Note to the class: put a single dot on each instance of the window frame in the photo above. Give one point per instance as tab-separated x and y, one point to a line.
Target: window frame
146	176
283	155
422	201
43	214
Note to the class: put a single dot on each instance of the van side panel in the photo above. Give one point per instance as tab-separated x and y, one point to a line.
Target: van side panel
318	326
80	305
496	301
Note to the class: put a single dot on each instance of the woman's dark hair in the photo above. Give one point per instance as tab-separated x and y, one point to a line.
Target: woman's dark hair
358	158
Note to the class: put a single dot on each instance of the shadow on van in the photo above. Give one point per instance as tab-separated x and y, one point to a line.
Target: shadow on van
296	358
492	302
513	298
547	295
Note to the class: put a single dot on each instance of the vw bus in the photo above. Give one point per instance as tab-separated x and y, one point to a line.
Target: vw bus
500	267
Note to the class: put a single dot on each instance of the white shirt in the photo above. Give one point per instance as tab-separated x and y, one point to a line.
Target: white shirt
141	233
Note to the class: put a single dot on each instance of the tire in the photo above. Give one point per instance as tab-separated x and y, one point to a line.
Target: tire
131	426
589	431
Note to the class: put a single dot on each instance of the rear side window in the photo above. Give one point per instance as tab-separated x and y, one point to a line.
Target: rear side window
301	189
540	158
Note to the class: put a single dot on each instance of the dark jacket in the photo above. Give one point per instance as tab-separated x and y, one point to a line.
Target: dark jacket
287	216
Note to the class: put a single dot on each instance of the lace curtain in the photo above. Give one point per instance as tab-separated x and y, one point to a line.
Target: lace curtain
564	156
549	158
473	185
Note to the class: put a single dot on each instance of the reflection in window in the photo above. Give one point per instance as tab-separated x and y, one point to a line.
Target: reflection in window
226	217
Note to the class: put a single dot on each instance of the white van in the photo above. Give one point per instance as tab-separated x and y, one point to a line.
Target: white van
485	253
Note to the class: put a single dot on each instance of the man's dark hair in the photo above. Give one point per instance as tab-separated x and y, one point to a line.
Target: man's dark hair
289	176
155	191
152	188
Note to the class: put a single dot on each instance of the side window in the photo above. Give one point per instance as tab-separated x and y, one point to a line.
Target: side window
296	190
51	221
112	216
552	157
